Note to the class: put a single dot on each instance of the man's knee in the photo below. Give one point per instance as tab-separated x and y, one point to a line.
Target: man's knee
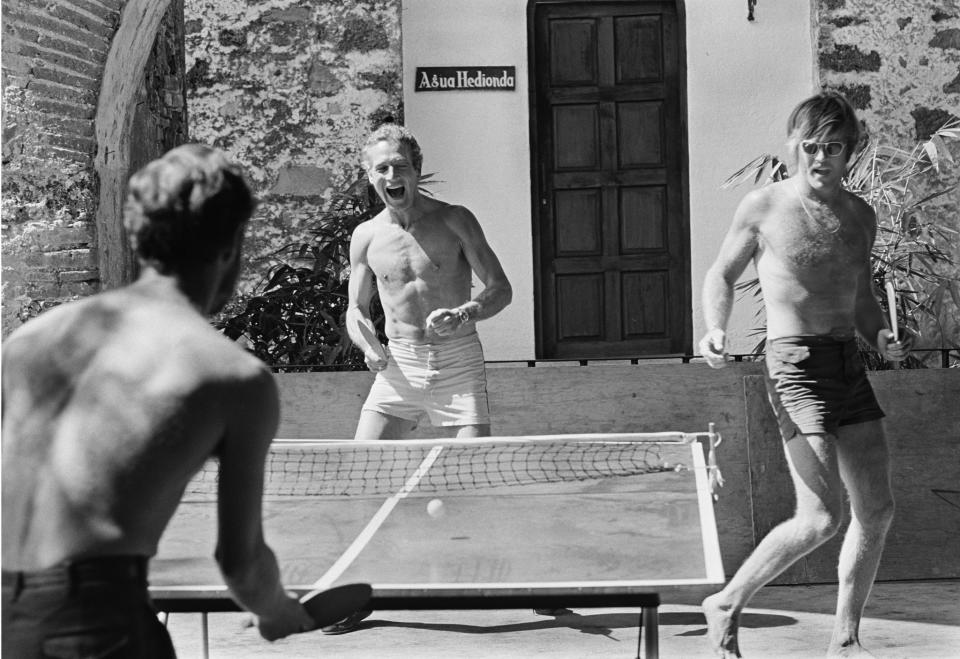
821	522
878	514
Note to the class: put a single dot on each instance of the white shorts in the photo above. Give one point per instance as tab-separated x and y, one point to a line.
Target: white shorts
446	381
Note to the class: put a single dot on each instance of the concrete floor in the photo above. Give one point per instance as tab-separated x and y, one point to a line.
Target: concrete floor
903	620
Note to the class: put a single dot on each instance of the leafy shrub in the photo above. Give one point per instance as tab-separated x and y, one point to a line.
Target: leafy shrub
297	321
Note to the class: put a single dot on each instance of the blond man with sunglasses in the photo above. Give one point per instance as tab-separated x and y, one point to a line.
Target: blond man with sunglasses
810	241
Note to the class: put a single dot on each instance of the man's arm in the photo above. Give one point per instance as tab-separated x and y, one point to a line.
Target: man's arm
360	290
870	321
248	565
738	247
497	292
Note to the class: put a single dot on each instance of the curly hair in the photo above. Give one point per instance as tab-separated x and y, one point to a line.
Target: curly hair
186	206
395	134
822	114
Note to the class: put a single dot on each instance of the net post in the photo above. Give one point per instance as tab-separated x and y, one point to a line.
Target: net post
715	478
649	632
206	635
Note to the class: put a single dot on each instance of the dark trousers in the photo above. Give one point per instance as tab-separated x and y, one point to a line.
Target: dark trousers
96	608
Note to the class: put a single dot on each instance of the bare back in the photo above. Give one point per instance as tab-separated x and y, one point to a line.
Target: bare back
418	269
111	404
813	262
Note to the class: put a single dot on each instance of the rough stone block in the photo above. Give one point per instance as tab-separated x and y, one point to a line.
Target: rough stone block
56	238
79	276
69	259
928	120
301	180
953	87
80	288
850	58
946	39
858	95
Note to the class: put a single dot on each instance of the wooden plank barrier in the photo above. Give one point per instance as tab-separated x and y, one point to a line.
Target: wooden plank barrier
924	427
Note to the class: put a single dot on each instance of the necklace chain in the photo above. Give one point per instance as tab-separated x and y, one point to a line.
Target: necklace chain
831	229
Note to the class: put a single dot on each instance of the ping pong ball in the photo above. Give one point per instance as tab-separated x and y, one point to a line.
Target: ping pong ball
435	508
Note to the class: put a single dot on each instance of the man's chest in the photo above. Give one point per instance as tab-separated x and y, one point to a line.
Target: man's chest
815	249
399	256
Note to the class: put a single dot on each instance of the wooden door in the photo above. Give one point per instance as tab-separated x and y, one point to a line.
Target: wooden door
609	161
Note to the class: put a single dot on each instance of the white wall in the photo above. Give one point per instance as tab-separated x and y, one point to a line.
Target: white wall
742	80
478	141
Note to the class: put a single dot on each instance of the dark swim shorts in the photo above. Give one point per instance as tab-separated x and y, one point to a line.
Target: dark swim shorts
817	384
94	607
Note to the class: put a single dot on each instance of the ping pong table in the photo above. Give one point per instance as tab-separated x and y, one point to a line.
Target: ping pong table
541	522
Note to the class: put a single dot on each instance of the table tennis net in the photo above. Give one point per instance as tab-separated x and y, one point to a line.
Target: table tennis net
354	469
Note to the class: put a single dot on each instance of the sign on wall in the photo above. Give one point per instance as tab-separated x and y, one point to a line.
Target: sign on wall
461	78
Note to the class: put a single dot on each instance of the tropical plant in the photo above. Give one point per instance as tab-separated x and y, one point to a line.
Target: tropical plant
912	245
298	318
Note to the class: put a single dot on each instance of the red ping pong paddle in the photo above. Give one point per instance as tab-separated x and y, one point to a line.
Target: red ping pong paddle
329	606
371	337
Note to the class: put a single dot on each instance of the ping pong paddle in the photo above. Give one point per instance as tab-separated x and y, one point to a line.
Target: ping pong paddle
892	309
371	337
333	605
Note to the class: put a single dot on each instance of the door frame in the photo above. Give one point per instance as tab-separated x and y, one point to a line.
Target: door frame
538	185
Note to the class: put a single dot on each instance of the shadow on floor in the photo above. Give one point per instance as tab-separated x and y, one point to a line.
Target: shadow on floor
600	624
922	600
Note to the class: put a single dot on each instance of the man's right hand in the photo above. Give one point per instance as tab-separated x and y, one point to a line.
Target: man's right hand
713	348
290	618
373	361
894	351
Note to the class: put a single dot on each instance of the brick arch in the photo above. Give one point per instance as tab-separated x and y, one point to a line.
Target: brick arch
123	76
53	57
74	125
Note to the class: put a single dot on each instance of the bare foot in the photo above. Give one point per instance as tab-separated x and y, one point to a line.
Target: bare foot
721	627
846	649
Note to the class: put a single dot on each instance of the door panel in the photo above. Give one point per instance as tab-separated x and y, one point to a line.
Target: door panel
611	232
573	52
642	218
577	136
639	49
579	298
640	138
579	232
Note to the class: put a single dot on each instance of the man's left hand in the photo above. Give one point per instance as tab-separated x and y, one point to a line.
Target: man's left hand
895	351
444	322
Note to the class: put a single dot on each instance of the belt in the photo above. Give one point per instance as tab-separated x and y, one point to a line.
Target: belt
113	569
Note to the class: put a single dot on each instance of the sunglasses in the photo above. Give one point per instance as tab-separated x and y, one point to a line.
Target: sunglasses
831	149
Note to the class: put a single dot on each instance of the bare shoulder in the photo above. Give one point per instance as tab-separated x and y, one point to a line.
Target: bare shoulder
758	205
212	354
457	213
37	337
364	231
460	220
860	209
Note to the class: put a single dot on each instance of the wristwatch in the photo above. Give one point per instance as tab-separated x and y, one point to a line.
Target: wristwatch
463	315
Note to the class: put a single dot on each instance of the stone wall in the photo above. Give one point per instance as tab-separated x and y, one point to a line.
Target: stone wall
290	90
53	58
899	64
